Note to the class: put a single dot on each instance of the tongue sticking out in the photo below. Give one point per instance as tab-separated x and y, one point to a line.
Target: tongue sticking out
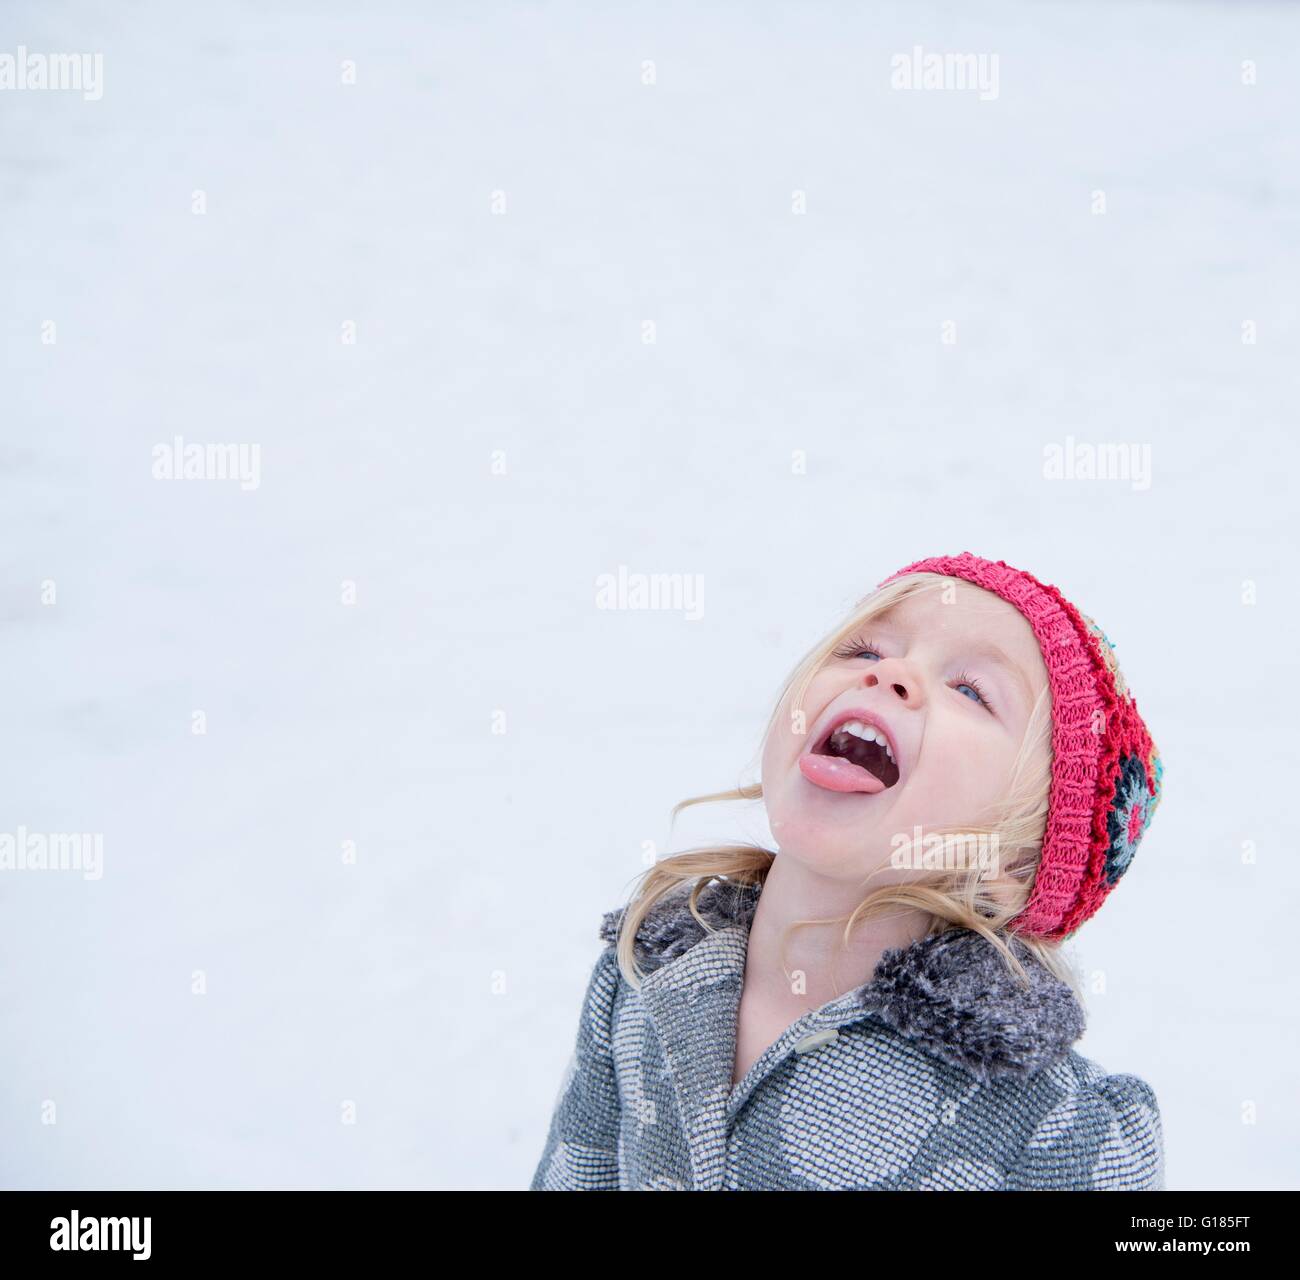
848	762
839	775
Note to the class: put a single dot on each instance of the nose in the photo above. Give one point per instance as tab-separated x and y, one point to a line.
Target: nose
896	675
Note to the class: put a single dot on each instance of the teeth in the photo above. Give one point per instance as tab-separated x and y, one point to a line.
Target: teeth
868	733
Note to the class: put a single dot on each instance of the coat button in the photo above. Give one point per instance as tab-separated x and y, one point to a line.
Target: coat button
817	1040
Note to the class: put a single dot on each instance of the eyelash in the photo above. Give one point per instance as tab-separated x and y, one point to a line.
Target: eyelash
963	678
857	647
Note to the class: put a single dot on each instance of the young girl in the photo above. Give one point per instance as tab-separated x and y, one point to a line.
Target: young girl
956	779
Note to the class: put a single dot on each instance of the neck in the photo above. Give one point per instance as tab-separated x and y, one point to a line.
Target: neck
816	965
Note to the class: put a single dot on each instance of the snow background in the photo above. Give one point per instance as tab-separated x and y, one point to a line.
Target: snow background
485	857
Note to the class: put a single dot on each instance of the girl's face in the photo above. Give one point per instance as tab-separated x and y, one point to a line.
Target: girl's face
936	697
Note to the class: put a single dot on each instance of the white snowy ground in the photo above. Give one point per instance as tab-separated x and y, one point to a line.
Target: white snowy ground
485	858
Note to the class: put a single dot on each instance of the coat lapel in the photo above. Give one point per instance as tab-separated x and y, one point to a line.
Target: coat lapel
692	1003
950	994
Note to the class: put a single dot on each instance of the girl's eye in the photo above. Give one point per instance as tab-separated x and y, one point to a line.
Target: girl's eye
859	650
976	690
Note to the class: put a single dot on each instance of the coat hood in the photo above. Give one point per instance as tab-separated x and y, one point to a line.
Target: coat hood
950	993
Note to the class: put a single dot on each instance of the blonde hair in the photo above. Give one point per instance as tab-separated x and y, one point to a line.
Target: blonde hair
956	898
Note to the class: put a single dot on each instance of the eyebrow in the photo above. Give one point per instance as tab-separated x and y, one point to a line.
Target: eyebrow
987	649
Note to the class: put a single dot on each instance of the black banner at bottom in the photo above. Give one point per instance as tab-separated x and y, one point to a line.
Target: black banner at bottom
340	1227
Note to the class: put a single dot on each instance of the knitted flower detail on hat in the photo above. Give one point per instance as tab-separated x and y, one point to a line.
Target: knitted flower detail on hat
1108	655
1129	815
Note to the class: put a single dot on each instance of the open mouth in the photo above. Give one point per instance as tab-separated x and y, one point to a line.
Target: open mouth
854	756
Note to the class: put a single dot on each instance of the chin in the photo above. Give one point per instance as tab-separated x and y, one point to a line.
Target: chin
825	857
823	837
829	833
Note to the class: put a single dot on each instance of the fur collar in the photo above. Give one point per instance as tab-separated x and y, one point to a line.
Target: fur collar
950	993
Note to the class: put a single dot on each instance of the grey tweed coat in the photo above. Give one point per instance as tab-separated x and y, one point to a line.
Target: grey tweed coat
941	1073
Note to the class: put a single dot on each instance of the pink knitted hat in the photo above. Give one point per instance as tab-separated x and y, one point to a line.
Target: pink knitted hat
1106	772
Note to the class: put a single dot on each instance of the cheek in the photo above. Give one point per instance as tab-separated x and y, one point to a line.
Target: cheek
963	771
778	747
788	737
